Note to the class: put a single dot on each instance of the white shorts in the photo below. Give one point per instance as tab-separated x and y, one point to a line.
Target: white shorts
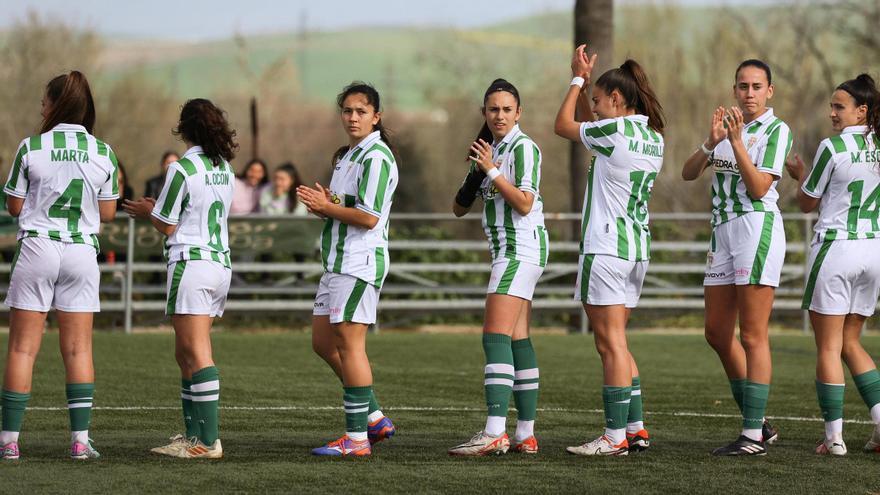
514	278
605	280
748	250
197	287
346	298
52	274
844	277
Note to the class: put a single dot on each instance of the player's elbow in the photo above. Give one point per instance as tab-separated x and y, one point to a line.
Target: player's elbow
559	127
370	222
14	205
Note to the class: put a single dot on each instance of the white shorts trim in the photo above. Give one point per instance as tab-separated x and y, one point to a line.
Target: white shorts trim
605	280
197	287
514	278
748	250
844	277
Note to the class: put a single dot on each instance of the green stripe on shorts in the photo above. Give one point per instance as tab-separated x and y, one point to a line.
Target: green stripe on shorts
171	308
586	267
354	299
817	265
507	278
763	248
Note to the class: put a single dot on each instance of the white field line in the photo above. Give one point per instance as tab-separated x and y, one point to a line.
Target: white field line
691	414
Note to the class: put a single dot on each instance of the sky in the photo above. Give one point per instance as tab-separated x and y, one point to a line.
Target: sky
217	19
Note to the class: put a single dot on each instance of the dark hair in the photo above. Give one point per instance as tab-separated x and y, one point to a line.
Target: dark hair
71	102
753	62
124	174
632	83
204	124
260	163
166	155
497	85
372	96
289	169
863	89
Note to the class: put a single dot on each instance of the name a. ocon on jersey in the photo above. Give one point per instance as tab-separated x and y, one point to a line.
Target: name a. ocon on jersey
217	179
649	149
866	156
66	155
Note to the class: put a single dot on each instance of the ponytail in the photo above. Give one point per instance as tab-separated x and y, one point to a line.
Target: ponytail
204	124
70	100
497	85
633	84
864	91
372	96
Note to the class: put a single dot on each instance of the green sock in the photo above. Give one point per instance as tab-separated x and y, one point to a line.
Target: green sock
13	404
636	414
498	381
374	404
79	405
868	384
738	386
525	381
192	428
616	401
356	401
206	404
755	397
830	400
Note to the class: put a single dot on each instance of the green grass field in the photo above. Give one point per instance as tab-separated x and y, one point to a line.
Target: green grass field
279	400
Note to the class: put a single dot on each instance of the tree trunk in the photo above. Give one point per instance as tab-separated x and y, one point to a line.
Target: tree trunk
593	25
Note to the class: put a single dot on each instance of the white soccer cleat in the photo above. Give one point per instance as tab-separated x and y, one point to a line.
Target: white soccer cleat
178	443
873	444
600	446
483	444
82	451
834	446
195	449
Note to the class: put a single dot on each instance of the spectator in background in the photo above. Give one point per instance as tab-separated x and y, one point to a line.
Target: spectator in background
248	185
279	197
154	185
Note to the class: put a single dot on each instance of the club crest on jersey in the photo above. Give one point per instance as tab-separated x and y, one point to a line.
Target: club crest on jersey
335	199
752	141
66	155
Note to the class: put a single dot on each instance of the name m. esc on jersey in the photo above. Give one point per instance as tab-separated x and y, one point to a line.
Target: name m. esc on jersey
865	156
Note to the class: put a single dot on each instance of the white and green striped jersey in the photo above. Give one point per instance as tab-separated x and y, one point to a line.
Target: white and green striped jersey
768	141
627	156
846	175
196	197
62	174
364	178
511	235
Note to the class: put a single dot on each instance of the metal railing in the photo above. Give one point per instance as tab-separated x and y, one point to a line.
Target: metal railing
407	278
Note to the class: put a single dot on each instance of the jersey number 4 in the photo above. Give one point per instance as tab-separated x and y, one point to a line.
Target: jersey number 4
69	205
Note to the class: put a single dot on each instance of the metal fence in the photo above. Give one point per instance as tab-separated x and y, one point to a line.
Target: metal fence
663	285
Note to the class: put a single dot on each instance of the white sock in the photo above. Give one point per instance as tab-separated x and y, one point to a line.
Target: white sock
833	428
875	414
8	437
495	425
753	434
616	436
635	426
524	429
357	436
375	416
80	436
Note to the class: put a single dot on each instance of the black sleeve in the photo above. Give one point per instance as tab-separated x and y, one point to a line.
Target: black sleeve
467	193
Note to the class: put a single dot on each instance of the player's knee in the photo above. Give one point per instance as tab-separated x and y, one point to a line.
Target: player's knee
753	342
717	340
23	351
612	349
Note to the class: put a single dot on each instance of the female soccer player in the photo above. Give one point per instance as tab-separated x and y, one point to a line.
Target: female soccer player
627	146
505	172
192	210
354	251
844	279
746	149
63	183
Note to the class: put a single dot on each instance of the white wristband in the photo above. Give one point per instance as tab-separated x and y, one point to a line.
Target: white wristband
706	151
493	173
578	81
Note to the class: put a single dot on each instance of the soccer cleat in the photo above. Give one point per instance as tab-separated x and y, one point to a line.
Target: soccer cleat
831	447
10	451
873	444
380	430
195	449
638	441
83	451
600	447
345	446
769	433
178	443
483	444
527	446
742	446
